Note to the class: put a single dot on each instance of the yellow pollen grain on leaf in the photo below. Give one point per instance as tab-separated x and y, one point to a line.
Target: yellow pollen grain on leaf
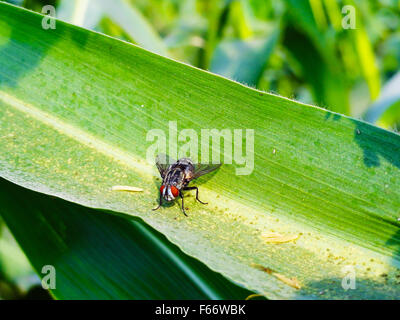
126	188
292	282
262	268
278	238
254	295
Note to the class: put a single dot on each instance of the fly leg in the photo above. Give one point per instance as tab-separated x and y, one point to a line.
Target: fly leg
183	207
197	193
159	204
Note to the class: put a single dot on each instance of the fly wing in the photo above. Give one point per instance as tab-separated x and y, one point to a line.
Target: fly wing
163	162
201	169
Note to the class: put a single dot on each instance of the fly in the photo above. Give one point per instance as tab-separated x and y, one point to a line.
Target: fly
176	176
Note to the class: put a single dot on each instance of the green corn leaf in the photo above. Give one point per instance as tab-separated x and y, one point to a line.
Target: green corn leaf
76	108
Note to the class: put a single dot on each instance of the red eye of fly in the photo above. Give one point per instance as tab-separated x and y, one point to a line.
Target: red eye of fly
162	189
175	191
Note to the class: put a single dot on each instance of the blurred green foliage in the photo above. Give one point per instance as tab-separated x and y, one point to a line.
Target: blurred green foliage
17	277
